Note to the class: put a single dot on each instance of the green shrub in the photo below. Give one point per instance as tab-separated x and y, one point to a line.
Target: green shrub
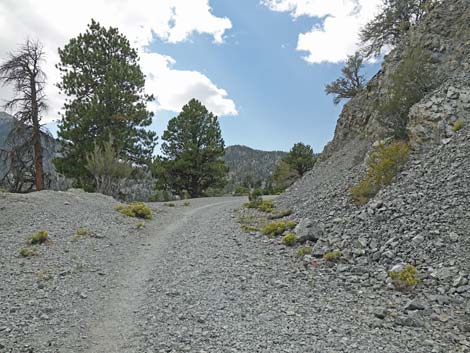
406	278
266	206
304	250
362	192
39	238
186	204
458	125
169	204
384	163
2	191
291	224
274	228
332	256
135	209
241	191
248	228
289	239
106	166
27	253
82	232
407	84
256	195
140	225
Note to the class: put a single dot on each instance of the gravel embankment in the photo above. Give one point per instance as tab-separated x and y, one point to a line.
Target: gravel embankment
190	281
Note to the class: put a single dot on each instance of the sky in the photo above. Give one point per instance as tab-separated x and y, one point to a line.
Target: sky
260	65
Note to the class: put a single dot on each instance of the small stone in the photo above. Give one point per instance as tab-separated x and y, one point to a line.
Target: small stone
380	313
463	289
453	237
414	305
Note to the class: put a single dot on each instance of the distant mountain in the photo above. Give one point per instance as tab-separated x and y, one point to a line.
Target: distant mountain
247	164
50	148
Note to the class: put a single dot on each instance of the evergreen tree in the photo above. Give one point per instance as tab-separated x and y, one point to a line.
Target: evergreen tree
293	166
351	81
300	158
393	21
101	76
193	151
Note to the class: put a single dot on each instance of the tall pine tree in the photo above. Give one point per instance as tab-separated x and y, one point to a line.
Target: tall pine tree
101	76
193	149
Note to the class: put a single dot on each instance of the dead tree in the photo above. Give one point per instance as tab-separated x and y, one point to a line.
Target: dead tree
22	70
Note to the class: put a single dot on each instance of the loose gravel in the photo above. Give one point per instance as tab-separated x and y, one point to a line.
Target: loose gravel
189	281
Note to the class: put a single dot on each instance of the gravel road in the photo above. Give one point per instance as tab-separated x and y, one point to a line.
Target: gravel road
189	281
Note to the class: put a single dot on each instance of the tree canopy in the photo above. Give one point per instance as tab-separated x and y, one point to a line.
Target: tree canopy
193	149
395	18
293	166
300	158
100	74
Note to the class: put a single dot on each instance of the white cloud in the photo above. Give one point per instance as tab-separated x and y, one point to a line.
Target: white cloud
173	95
54	22
341	22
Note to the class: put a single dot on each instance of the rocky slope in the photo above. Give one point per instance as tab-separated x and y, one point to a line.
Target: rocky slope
423	218
245	162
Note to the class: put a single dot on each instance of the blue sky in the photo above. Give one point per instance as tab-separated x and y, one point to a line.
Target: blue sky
260	65
280	97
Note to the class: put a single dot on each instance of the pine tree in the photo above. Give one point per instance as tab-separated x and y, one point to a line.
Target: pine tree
351	82
193	151
100	74
392	23
300	158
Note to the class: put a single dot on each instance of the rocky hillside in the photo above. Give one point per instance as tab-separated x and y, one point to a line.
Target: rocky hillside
245	162
423	218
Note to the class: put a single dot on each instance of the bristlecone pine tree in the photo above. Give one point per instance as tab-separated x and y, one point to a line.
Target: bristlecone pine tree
391	23
293	166
100	74
350	83
300	158
193	149
23	71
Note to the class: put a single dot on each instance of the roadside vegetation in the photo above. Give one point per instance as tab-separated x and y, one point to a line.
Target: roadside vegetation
383	165
135	209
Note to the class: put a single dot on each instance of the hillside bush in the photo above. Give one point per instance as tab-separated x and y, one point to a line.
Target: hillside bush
256	195
289	239
266	206
106	166
135	209
458	125
27	253
412	79
304	250
241	190
39	238
274	228
332	256
249	228
405	279
384	163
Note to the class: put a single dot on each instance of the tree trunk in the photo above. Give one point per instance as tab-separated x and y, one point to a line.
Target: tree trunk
36	138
